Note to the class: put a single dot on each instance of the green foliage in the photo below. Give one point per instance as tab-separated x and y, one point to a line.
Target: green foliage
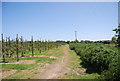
17	66
86	77
100	57
114	39
86	41
45	60
113	73
26	58
104	42
117	30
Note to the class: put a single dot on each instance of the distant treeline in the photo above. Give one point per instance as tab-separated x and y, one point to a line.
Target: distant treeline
87	41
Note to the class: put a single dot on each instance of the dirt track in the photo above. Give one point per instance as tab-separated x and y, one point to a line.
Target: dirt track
58	69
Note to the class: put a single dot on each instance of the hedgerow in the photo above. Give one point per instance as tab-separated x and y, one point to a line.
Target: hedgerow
102	58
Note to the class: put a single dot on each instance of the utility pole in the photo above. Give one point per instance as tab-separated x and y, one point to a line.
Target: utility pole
75	35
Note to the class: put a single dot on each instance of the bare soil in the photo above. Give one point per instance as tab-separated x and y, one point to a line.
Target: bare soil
55	70
6	73
20	62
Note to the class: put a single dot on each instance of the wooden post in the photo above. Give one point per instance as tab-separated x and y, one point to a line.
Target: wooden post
22	46
17	47
3	49
40	46
32	46
7	47
9	41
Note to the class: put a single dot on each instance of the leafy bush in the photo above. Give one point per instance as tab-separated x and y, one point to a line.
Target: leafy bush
101	57
113	73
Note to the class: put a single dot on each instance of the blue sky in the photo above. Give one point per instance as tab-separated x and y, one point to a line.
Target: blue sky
0	17
119	12
59	20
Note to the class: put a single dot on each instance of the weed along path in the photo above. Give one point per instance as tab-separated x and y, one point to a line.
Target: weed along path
58	63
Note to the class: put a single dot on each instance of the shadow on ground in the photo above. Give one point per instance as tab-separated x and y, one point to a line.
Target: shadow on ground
90	68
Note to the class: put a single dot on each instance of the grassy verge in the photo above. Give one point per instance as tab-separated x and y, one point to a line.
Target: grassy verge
17	66
74	62
86	76
45	60
55	52
26	66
